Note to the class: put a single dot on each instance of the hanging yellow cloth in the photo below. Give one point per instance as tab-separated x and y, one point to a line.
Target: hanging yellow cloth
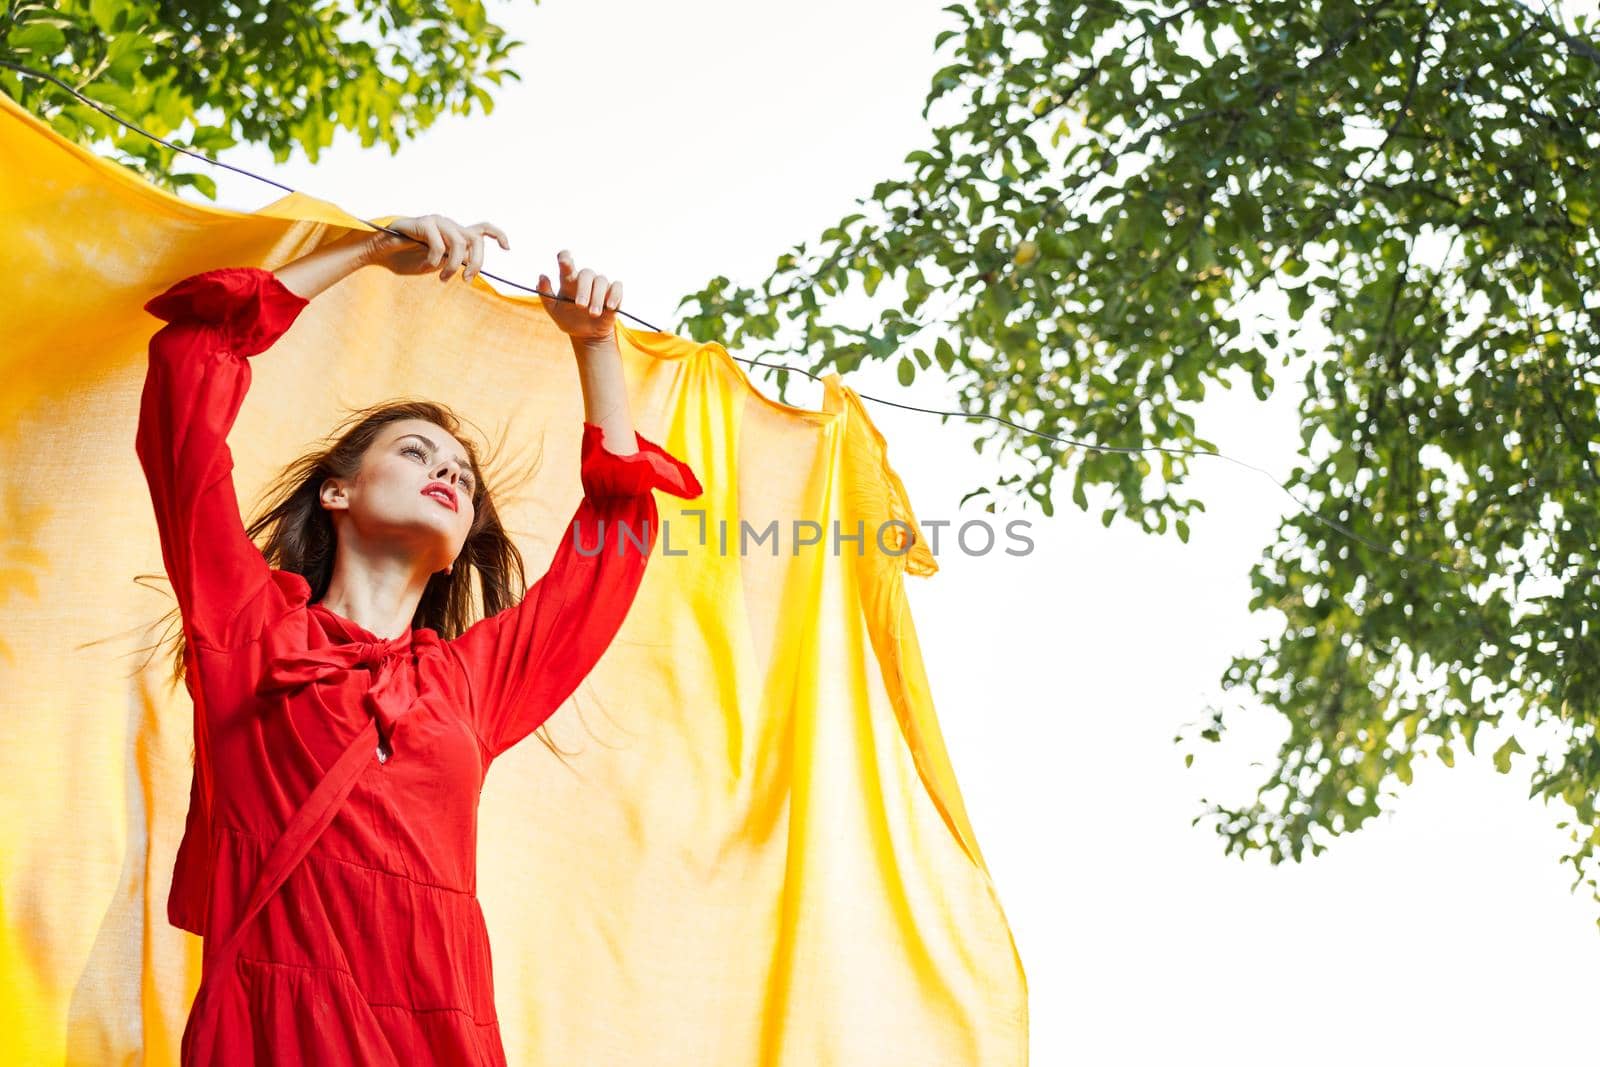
759	854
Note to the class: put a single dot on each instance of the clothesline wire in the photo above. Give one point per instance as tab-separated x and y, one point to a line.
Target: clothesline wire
1332	524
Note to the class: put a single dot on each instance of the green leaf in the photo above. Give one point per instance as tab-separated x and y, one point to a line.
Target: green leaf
1299	301
871	277
212	139
38	38
907	371
917	288
201	182
105	13
1402	769
1503	754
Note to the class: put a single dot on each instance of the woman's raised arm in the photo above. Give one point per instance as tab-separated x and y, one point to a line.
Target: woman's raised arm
194	386
431	242
524	662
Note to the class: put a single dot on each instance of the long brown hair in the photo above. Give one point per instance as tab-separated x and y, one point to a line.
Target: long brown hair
296	533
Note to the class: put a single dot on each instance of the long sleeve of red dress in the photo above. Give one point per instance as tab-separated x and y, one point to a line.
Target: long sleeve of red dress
524	662
196	382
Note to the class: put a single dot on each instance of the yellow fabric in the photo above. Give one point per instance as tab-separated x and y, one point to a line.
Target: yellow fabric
760	855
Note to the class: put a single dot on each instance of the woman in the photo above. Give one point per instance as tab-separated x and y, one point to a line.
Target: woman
345	710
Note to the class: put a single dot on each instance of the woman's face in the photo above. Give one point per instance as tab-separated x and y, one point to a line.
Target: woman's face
414	490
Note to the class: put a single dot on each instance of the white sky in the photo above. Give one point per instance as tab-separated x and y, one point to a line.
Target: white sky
667	143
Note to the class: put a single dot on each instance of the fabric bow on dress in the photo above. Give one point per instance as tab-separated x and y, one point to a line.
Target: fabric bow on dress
292	670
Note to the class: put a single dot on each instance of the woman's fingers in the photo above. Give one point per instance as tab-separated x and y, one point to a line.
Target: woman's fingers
592	295
567	272
496	232
460	245
585	284
474	258
479	231
435	239
436	242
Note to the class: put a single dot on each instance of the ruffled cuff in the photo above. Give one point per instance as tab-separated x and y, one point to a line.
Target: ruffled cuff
604	473
250	305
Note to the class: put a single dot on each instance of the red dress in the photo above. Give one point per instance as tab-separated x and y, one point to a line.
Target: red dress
329	857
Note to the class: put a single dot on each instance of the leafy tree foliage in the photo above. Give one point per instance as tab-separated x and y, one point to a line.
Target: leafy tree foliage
282	73
1121	204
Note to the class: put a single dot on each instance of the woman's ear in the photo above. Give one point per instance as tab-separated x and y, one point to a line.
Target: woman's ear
332	495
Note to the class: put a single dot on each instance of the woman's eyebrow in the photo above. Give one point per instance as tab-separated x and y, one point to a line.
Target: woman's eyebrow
459	459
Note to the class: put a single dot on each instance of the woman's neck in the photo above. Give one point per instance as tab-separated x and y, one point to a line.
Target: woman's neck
381	599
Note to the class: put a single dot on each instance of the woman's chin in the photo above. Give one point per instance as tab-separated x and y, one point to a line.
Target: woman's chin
436	516
429	533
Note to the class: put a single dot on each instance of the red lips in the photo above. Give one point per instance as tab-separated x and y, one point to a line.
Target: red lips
441	489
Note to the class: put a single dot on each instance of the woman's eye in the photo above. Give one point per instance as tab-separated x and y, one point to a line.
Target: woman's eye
466	479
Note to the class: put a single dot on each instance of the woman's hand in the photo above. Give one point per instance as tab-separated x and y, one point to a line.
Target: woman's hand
590	310
447	246
588	318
